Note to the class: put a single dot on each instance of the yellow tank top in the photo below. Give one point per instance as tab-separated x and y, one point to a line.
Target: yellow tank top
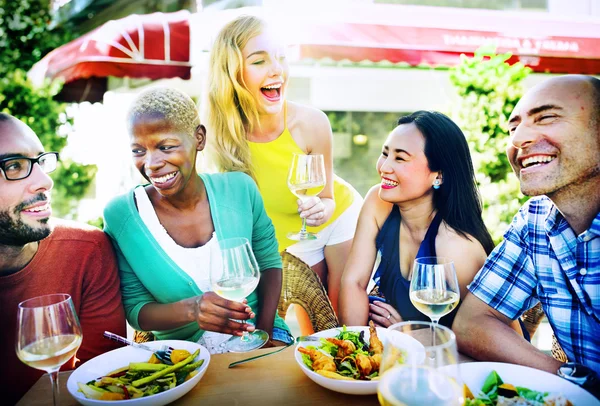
271	164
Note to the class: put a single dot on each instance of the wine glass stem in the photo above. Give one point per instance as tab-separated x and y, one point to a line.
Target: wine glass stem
303	230
55	389
245	336
433	327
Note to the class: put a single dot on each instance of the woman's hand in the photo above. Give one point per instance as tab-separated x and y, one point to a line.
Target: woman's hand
316	210
214	313
383	314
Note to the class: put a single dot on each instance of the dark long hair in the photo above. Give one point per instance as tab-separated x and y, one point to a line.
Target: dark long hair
447	151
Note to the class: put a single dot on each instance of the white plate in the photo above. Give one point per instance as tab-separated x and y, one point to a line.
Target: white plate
107	362
475	373
355	387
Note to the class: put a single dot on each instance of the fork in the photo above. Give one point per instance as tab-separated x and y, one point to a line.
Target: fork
297	340
163	353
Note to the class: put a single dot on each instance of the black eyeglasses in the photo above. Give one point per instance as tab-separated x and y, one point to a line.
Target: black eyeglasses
18	168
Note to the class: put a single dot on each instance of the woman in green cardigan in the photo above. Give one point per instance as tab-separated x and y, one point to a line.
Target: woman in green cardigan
165	232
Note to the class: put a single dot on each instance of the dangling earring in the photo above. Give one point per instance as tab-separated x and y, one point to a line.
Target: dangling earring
436	184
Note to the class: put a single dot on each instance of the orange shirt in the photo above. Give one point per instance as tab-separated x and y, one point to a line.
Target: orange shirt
75	259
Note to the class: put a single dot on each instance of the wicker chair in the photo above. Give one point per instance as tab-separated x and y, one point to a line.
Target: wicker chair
303	287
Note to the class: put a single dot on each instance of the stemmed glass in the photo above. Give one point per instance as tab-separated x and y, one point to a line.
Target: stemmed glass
48	334
434	289
306	178
418	368
234	280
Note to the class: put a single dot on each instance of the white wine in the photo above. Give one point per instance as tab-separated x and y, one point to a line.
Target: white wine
235	288
417	385
304	190
434	303
50	353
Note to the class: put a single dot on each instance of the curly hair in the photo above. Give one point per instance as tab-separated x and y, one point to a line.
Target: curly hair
171	105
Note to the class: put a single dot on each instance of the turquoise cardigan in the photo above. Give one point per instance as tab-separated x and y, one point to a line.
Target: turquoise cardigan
149	275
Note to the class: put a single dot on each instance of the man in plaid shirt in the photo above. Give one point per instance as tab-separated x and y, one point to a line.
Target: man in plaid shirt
551	252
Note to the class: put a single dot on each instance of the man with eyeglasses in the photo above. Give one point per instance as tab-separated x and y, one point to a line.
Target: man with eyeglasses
40	256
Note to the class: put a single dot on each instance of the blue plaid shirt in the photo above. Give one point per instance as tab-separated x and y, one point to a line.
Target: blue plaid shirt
541	259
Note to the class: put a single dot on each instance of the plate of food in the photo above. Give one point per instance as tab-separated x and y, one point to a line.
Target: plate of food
134	376
495	383
347	359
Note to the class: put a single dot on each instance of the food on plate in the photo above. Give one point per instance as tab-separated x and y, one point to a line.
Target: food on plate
139	379
346	356
495	392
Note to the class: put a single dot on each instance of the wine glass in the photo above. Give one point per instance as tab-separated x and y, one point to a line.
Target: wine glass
234	280
417	369
48	334
306	178
434	289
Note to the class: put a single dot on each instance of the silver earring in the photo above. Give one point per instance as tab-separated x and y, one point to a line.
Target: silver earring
436	184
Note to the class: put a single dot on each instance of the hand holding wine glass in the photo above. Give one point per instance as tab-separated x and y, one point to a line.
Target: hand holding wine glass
306	178
48	334
234	280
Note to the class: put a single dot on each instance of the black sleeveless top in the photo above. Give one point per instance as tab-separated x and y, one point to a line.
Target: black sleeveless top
394	287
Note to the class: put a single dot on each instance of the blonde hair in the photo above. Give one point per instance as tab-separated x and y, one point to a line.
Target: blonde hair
232	109
168	104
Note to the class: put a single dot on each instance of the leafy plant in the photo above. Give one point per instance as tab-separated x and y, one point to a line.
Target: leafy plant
489	88
25	37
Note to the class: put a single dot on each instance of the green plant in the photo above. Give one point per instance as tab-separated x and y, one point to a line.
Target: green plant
489	88
24	39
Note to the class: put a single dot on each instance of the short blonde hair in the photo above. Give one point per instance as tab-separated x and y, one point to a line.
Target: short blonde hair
168	104
232	109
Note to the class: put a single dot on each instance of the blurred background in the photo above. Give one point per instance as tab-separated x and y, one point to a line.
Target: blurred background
70	68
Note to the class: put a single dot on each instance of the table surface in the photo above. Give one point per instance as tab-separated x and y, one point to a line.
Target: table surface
272	380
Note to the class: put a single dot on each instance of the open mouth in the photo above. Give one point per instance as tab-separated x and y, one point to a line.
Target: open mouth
536	160
163	179
38	209
388	183
272	92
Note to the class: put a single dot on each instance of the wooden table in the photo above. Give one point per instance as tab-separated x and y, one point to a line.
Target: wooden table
273	380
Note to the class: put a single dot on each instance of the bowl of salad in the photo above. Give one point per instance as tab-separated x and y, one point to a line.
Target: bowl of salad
501	384
347	359
133	376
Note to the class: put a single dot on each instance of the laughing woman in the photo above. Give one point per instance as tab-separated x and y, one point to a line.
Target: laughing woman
257	132
427	204
166	232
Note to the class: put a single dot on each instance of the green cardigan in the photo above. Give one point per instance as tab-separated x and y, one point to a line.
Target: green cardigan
149	275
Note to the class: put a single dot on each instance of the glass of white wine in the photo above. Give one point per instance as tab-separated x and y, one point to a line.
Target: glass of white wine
425	376
234	280
306	178
48	334
434	288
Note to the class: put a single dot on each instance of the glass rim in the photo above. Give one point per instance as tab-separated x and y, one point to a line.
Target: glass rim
428	324
27	304
433	260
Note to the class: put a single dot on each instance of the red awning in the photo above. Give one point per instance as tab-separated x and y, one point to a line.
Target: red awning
150	46
436	36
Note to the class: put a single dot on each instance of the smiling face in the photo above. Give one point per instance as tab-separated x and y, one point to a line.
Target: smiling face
164	155
25	203
553	141
265	72
403	166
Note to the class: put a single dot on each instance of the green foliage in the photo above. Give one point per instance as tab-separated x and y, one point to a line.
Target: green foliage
490	88
24	39
24	34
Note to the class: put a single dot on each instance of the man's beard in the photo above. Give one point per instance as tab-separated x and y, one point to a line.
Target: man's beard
15	232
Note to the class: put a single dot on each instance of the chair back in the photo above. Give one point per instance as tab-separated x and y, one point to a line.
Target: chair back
303	287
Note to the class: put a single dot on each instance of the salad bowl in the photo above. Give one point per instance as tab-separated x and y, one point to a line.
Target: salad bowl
110	361
356	387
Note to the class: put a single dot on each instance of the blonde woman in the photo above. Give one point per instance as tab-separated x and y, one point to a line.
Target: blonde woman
257	132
